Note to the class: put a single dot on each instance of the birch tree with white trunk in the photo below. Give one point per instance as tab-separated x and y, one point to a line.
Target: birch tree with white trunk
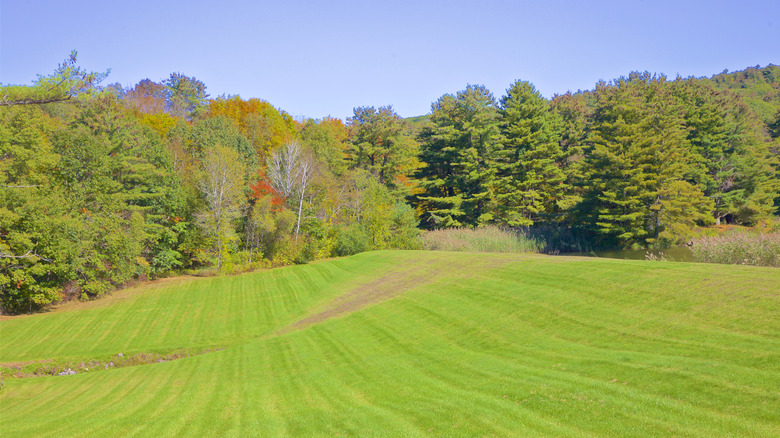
221	182
291	171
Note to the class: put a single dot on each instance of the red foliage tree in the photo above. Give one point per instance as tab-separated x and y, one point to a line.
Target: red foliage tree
263	188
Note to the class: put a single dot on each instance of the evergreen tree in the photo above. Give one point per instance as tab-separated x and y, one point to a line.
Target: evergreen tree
637	145
575	112
732	150
381	143
679	208
458	151
531	184
187	96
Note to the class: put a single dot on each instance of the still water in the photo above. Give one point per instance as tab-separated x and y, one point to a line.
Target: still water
681	254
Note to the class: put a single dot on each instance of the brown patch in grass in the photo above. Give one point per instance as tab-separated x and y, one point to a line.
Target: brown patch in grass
396	283
381	289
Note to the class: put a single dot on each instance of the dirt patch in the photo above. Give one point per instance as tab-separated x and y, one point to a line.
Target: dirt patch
394	284
381	289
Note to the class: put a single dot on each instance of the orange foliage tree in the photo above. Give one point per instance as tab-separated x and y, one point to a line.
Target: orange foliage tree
263	125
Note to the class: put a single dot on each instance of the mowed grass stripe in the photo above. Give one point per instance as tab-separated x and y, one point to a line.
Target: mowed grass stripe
523	345
168	317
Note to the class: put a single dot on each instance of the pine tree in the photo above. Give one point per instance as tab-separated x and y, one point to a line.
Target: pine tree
637	146
531	186
679	208
736	167
381	143
575	112
458	152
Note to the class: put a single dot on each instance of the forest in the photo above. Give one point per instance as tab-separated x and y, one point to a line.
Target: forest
103	185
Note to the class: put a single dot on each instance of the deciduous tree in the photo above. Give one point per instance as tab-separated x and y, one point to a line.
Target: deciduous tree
147	97
291	171
222	185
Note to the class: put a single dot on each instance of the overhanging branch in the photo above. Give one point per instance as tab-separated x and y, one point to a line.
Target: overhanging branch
30	254
34	101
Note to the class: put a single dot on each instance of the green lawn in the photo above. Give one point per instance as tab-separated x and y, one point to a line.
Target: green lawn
415	343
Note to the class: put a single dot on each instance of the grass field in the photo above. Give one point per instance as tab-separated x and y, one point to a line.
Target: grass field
398	343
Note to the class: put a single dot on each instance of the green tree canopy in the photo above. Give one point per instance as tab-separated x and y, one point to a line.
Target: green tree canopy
637	145
381	143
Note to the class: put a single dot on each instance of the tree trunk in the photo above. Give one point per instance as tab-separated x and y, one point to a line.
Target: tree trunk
219	253
300	209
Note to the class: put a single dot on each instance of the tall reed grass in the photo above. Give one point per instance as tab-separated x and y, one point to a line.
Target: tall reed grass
548	239
483	239
739	249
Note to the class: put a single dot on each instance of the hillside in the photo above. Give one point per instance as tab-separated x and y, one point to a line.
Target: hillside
759	87
413	343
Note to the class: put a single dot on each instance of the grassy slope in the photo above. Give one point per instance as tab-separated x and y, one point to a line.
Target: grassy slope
477	344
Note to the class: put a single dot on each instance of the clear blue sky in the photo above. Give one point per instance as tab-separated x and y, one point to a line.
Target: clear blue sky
324	58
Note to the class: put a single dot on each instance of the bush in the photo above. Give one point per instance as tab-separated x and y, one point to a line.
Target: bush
352	240
242	261
403	228
739	249
165	261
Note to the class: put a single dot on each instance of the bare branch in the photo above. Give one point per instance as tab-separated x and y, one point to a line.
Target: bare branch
30	254
34	101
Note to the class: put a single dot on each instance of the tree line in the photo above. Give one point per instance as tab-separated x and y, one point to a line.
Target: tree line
636	162
104	185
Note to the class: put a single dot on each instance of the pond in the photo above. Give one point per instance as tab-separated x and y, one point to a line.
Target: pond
678	254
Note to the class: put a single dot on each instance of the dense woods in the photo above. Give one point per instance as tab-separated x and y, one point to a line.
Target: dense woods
100	186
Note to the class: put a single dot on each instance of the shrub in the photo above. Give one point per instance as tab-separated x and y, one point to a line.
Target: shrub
165	261
352	240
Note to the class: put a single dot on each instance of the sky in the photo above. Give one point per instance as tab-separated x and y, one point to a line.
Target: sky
324	58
